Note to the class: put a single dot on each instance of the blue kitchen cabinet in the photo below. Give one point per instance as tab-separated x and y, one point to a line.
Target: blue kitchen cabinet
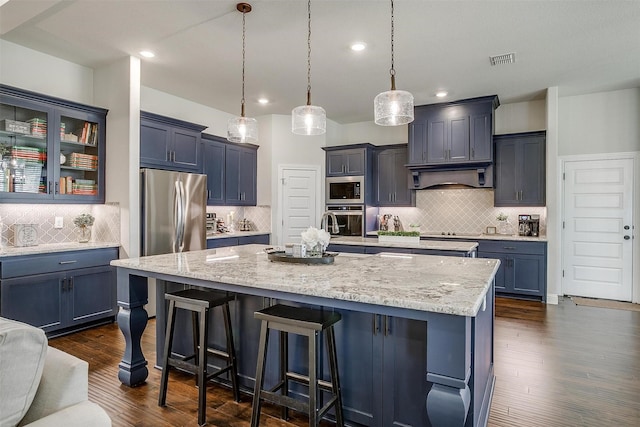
222	242
452	134
59	292
231	171
56	147
213	149
523	267
343	162
336	247
392	177
171	144
375	388
241	163
520	169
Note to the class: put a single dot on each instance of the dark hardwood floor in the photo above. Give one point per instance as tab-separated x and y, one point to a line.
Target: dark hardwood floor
555	365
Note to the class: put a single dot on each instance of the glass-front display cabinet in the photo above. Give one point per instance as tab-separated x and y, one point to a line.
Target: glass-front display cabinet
51	150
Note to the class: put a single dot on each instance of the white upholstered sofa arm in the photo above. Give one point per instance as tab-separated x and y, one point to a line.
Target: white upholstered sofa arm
80	415
64	383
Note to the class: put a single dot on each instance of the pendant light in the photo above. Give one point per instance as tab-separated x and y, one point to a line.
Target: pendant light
308	119
393	107
242	129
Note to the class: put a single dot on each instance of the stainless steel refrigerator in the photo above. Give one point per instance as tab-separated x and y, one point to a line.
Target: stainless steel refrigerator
173	208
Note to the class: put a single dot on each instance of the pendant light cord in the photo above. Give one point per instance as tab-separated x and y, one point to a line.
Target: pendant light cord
392	71
243	55
309	52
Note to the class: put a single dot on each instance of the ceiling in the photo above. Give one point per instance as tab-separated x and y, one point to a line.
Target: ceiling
579	46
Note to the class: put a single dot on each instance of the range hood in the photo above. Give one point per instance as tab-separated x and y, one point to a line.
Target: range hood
474	177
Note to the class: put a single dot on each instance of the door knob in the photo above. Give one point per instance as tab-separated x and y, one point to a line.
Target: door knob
626	227
627	237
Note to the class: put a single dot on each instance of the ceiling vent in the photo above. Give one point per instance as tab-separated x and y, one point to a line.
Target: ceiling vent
507	58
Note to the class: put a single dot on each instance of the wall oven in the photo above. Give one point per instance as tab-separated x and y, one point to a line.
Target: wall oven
345	189
350	220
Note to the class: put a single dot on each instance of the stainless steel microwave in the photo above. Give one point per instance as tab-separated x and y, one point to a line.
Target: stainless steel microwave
345	189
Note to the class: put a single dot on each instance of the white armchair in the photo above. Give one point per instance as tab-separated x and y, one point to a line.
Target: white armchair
40	385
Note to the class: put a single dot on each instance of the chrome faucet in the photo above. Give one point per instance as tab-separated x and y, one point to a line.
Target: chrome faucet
324	222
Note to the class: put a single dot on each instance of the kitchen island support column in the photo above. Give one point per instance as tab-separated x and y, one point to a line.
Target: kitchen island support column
132	319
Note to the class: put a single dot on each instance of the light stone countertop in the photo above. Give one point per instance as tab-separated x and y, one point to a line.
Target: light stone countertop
235	234
478	236
440	245
11	251
441	284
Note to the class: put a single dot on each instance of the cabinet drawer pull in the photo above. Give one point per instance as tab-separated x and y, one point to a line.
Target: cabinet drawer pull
67	262
511	248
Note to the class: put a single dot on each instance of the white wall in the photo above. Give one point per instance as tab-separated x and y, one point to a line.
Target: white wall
553	197
155	101
355	133
118	89
38	72
520	117
604	122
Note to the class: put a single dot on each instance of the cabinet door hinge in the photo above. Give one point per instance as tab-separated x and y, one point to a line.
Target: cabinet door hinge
562	273
563	225
563	176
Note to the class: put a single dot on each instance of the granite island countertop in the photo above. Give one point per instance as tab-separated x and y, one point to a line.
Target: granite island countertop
11	251
440	284
451	245
235	234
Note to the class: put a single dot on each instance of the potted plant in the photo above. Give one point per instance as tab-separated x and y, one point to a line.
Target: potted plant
399	237
84	223
503	223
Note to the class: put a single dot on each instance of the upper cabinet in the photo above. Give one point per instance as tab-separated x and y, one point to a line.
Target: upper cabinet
240	174
231	171
343	161
520	169
452	134
51	150
171	144
392	177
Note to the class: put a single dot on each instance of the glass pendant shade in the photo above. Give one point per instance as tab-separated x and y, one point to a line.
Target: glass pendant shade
308	120
242	129
393	108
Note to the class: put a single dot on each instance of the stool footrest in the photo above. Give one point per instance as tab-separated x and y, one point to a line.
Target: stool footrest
287	401
303	379
177	363
218	353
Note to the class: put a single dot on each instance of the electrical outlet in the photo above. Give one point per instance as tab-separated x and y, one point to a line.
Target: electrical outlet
59	223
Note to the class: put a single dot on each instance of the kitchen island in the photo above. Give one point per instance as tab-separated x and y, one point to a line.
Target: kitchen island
414	328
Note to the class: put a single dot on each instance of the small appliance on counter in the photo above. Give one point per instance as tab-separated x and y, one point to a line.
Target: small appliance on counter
211	223
529	225
245	225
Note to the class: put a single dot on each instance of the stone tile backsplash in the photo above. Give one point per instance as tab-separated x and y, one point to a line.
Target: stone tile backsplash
459	210
106	227
259	216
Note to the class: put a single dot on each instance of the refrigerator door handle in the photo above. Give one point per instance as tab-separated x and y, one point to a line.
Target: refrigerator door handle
183	222
177	216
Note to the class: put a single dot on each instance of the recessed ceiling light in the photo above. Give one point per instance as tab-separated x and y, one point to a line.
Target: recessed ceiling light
147	53
263	101
442	93
358	46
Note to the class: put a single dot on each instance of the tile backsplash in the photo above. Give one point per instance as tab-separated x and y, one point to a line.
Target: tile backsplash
259	216
106	227
460	210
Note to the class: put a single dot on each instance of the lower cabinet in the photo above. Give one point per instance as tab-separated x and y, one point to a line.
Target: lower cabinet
523	267
357	249
80	292
378	357
222	242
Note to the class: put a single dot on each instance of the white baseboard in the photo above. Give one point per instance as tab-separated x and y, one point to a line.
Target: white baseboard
552	299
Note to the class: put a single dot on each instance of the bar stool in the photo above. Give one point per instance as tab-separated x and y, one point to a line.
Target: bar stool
199	302
307	322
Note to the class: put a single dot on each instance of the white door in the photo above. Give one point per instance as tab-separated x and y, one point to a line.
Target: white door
597	254
300	196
